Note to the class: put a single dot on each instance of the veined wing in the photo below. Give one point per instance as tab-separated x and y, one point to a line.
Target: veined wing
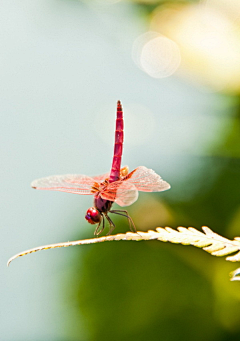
101	178
122	192
146	180
78	184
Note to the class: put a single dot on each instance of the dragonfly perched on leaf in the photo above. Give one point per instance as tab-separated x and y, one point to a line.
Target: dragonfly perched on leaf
118	186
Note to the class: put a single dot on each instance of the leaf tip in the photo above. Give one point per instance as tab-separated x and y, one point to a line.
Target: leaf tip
235	275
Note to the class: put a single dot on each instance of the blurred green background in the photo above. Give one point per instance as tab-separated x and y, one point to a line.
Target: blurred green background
176	68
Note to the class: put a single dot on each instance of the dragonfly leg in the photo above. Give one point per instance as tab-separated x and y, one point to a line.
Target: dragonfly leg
97	231
125	214
112	225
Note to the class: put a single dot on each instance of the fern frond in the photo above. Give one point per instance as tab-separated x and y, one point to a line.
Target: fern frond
208	240
235	275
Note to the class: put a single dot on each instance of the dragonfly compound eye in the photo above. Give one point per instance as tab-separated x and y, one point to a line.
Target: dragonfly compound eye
93	216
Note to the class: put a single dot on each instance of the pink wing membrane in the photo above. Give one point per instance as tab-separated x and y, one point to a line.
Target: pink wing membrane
121	192
125	192
101	178
77	184
146	180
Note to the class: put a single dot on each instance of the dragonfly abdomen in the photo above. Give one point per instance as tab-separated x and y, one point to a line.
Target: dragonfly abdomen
118	146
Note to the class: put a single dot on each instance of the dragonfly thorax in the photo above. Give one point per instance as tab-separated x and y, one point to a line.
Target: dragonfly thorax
102	205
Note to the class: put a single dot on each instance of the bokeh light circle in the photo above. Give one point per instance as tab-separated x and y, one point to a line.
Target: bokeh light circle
156	55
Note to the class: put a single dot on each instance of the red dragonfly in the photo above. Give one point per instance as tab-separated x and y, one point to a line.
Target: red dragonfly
118	186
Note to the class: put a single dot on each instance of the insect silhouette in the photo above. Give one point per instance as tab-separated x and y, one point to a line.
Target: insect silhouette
118	186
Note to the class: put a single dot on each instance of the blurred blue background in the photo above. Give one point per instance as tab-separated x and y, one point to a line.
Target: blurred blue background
64	64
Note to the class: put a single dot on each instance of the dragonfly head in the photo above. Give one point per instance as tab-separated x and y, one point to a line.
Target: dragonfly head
93	216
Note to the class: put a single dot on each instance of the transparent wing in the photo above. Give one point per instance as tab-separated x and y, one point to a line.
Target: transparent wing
78	184
101	178
146	180
121	192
